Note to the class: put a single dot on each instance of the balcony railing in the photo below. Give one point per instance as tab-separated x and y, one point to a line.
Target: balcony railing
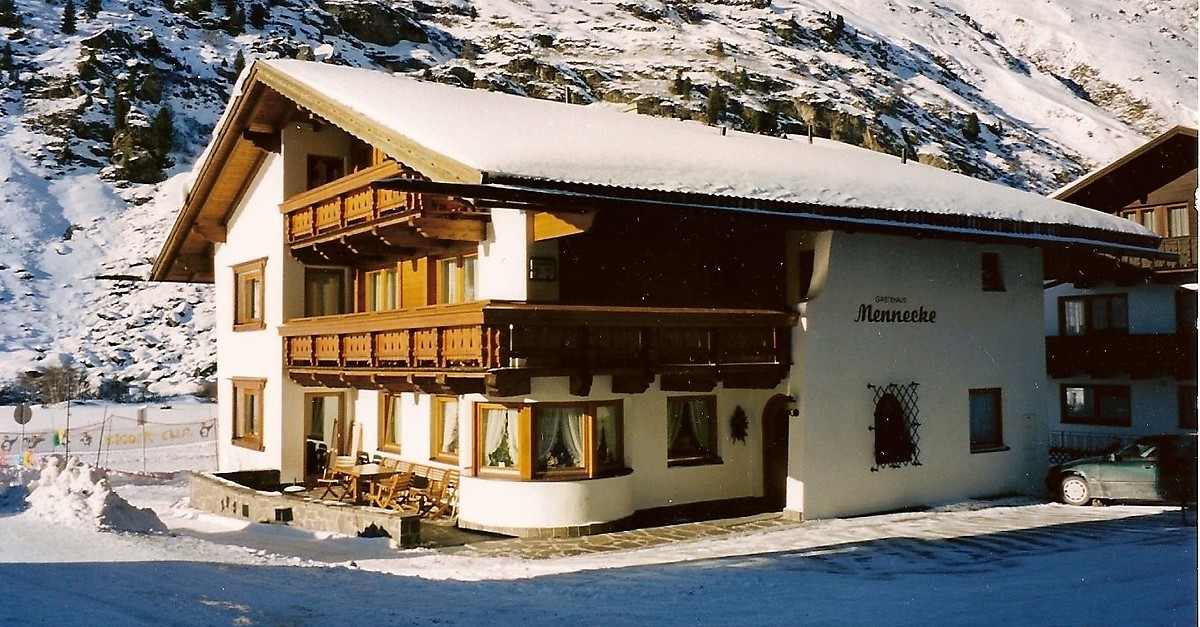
1136	355
1184	246
743	348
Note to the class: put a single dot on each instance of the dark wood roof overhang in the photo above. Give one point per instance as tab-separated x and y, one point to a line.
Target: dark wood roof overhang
1130	178
541	194
407	235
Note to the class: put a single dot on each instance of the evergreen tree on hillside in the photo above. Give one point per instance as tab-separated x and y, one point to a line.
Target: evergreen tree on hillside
162	137
239	63
7	67
91	8
258	16
715	105
971	130
8	14
68	18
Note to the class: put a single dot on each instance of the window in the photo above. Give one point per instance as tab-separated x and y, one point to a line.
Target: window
381	290
445	429
1083	315
991	279
550	440
1187	407
324	291
987	432
1096	405
322	170
248	413
1168	221
323	421
692	430
248	298
389	422
456	279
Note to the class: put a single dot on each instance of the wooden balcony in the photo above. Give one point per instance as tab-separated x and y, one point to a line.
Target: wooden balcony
1184	247
495	348
1138	355
356	218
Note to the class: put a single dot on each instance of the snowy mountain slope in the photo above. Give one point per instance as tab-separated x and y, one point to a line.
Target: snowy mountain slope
1028	93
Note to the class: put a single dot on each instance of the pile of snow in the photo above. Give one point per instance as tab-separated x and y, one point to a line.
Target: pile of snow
70	492
12	489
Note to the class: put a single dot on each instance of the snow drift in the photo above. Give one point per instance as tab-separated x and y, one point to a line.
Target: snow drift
70	492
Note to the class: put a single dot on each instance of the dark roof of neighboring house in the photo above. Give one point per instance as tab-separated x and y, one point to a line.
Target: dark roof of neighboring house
1133	176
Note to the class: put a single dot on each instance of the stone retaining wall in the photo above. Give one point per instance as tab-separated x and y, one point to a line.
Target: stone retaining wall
213	493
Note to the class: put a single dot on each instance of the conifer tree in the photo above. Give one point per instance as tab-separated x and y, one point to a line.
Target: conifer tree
8	14
714	105
68	18
971	130
239	63
91	8
258	16
163	137
7	67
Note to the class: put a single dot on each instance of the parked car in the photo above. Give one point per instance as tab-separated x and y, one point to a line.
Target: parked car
1153	468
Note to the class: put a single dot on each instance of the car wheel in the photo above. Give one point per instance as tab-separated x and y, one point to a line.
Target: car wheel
1074	490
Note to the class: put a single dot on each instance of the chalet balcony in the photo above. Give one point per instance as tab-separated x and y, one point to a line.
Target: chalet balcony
1135	355
1184	247
495	348
357	217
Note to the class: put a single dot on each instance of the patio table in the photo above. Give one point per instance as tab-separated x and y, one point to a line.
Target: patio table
358	475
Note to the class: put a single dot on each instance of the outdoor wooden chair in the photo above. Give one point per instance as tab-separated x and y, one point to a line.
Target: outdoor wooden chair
446	502
429	496
391	492
334	483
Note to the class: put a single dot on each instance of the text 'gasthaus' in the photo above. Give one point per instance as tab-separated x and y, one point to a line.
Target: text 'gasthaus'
920	315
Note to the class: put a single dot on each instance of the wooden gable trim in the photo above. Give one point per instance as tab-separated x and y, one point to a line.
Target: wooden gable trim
1076	192
402	148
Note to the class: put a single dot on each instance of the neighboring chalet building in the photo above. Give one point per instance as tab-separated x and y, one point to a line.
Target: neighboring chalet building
595	314
1121	345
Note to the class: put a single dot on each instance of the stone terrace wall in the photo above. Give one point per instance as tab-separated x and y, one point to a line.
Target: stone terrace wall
215	494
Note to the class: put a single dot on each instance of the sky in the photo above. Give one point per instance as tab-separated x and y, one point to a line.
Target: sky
1016	561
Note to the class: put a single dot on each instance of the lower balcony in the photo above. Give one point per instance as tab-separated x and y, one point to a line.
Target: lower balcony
1134	355
495	348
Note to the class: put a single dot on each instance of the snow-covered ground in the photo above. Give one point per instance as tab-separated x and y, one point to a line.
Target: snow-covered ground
1015	562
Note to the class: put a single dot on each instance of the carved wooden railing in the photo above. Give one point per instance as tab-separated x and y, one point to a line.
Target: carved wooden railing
1138	355
483	336
347	201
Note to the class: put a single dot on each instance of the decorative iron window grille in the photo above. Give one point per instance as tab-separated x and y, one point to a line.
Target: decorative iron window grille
897	442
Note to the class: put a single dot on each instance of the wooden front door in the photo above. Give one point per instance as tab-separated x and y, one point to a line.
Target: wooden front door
775	452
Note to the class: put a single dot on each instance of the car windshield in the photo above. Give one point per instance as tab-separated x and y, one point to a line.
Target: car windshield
1139	450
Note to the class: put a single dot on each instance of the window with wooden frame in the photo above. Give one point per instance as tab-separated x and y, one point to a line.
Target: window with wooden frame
248	412
1167	220
1085	315
325	292
1107	405
692	430
445	429
991	276
550	441
389	422
381	289
987	421
324	169
248	297
455	279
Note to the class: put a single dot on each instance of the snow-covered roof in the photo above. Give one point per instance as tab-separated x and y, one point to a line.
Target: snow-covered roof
516	137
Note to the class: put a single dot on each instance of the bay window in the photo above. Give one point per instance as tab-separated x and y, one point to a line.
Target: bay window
550	441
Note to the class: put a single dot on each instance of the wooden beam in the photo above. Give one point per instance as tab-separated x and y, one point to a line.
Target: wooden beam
581	383
507	383
211	231
268	141
700	379
753	377
632	383
551	225
464	230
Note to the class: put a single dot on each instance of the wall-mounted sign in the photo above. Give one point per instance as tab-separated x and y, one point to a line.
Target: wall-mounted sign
894	309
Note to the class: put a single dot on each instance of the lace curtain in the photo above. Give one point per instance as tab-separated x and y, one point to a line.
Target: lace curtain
559	438
500	437
689	428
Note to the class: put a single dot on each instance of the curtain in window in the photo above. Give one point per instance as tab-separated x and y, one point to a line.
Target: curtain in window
607	442
500	437
1074	322
1178	218
689	428
559	438
449	428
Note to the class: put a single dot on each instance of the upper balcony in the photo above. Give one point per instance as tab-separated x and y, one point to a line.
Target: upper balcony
356	218
495	348
1184	247
1136	355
